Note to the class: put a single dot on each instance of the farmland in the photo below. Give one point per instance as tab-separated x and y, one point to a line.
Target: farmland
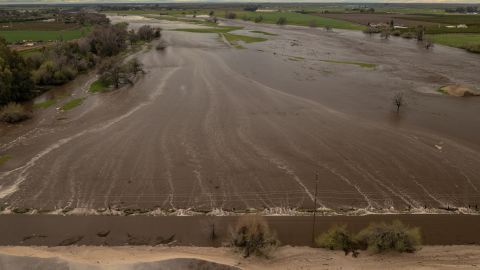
13	36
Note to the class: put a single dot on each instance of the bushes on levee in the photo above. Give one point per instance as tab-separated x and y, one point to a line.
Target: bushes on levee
13	113
252	236
377	238
338	238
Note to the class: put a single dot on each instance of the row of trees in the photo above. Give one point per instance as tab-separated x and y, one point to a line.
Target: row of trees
23	78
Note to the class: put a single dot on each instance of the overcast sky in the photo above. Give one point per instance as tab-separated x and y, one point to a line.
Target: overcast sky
238	1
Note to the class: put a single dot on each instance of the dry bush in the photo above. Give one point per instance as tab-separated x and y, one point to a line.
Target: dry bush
379	237
14	113
338	238
252	236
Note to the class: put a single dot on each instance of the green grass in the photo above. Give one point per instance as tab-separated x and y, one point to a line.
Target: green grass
463	41
233	39
4	158
263	33
219	29
295	58
98	86
45	104
360	64
72	104
42	35
294	18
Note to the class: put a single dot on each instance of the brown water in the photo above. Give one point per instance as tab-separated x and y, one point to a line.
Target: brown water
210	126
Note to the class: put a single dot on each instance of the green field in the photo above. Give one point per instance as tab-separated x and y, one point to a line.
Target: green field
293	18
43	35
470	42
299	19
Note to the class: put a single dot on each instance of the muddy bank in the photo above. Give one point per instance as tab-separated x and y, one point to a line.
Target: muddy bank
48	230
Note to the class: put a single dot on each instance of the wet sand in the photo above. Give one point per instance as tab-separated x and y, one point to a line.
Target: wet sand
210	126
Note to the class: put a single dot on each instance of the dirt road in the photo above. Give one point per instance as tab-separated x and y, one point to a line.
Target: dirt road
210	126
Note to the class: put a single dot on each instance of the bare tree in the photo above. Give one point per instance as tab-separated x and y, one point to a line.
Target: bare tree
428	44
398	101
386	32
420	32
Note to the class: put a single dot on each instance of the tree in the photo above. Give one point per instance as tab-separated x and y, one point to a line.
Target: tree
282	21
398	101
135	67
230	15
386	32
258	19
15	81
420	32
146	33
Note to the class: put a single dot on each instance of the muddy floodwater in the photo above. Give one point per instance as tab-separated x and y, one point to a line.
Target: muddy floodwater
210	126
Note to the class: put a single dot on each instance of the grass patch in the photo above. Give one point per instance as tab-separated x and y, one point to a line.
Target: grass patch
470	42
45	104
295	58
4	158
263	33
44	35
233	39
360	64
98	86
72	104
442	90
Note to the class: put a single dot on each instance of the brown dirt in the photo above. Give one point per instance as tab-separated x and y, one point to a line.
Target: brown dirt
429	257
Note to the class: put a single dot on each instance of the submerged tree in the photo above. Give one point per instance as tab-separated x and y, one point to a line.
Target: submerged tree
398	101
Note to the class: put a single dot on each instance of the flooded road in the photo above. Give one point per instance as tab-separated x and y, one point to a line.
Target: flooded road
210	126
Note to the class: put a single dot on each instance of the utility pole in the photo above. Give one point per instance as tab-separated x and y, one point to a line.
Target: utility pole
315	209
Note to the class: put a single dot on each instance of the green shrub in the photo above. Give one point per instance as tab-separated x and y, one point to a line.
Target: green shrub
282	21
337	238
252	235
258	19
14	113
379	237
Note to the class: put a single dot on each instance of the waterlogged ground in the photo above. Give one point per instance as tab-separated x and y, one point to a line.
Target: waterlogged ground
212	126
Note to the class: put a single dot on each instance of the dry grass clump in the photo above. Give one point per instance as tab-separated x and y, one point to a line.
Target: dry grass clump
252	236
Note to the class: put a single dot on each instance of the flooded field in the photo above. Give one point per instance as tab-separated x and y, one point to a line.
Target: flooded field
211	126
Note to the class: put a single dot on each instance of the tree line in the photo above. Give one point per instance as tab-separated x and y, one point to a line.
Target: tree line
23	78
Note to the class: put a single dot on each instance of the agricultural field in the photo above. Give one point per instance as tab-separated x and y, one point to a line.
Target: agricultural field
13	36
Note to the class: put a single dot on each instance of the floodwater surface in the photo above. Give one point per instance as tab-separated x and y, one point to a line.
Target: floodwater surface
211	126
